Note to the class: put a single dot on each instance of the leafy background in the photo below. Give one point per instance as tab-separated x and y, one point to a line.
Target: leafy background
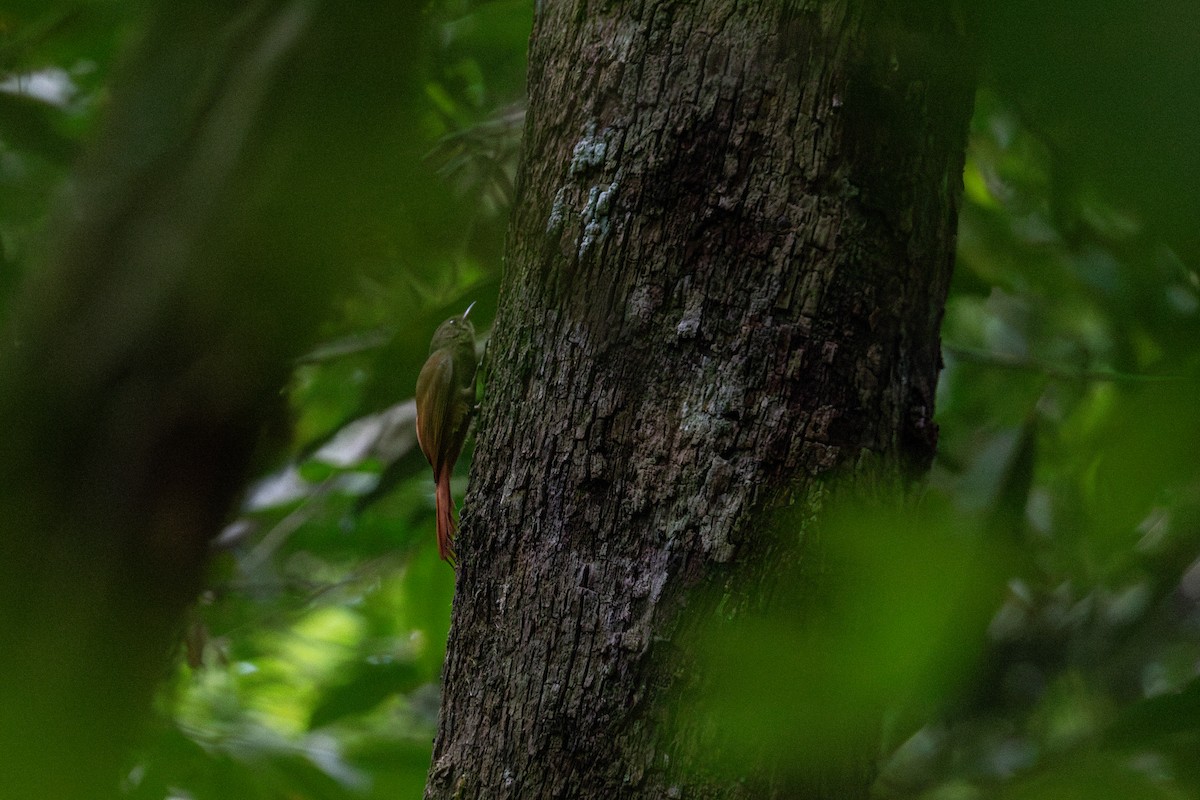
1029	630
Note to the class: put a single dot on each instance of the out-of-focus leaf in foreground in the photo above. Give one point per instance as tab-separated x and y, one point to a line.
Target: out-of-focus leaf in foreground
891	627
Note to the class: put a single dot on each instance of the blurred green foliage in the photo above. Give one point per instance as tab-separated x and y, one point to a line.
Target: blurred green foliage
1029	630
895	628
309	667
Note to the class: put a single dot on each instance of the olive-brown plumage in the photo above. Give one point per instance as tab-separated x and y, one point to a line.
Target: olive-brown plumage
445	396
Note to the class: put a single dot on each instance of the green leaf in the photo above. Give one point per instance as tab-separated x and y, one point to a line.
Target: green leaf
369	685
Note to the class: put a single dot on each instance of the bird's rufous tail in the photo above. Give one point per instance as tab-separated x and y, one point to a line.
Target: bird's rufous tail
446	525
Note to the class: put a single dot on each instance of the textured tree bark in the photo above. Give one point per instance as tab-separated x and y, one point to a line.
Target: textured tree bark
726	270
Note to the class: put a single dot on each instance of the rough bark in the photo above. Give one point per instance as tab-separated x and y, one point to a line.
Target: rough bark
725	275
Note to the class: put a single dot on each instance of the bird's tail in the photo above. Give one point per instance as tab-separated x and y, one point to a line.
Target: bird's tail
446	523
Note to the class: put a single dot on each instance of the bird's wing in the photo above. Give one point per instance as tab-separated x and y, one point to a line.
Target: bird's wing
434	387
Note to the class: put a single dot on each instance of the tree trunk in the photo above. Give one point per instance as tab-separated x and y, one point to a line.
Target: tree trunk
725	275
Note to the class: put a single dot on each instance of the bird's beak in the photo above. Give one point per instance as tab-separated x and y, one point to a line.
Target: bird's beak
468	311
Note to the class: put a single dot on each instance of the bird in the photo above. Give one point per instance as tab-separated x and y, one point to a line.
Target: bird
445	401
